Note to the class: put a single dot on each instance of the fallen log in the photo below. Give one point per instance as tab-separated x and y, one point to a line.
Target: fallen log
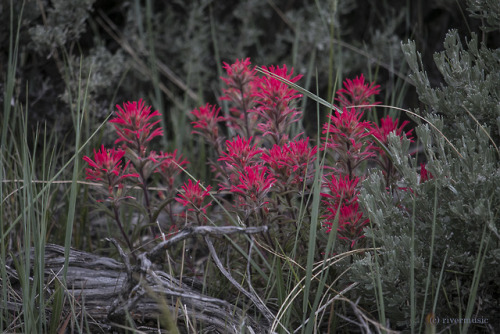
110	294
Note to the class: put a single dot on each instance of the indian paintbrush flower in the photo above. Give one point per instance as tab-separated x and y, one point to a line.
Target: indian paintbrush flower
341	202
241	86
240	153
107	168
357	93
169	166
388	125
253	185
381	133
292	163
206	124
347	139
425	175
192	198
134	127
275	103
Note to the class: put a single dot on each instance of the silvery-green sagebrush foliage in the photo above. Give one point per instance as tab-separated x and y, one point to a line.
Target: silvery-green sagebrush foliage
456	213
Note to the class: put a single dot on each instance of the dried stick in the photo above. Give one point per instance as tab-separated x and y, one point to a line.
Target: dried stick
268	315
188	232
124	256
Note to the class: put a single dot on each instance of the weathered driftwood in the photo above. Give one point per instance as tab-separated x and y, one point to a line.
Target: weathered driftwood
107	292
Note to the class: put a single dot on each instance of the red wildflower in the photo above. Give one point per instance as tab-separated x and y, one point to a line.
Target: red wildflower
275	157
168	166
193	196
239	74
388	125
207	119
107	168
340	188
342	200
291	163
347	139
254	184
300	154
239	153
425	175
133	125
357	93
345	128
350	225
241	85
275	102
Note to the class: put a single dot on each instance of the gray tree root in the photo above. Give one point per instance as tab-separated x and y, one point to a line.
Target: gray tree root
111	295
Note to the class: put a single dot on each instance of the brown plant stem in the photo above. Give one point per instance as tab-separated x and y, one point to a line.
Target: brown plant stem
144	186
120	226
244	109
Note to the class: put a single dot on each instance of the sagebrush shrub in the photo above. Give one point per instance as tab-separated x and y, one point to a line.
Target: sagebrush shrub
447	225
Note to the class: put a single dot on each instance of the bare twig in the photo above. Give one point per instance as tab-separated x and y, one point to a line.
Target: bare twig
268	315
188	232
125	258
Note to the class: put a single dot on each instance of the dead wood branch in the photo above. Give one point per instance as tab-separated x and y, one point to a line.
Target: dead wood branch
109	291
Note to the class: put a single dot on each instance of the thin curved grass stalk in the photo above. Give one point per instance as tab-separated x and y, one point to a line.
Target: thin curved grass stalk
424	119
300	89
295	292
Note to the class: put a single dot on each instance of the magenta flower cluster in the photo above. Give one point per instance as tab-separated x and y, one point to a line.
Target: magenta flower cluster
264	169
133	163
266	166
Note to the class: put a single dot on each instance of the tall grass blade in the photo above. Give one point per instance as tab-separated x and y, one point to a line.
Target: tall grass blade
438	286
78	115
301	90
311	247
5	147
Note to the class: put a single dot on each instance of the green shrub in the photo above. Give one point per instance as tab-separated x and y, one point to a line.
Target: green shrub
439	239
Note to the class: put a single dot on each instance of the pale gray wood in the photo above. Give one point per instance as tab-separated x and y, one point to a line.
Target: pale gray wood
105	292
